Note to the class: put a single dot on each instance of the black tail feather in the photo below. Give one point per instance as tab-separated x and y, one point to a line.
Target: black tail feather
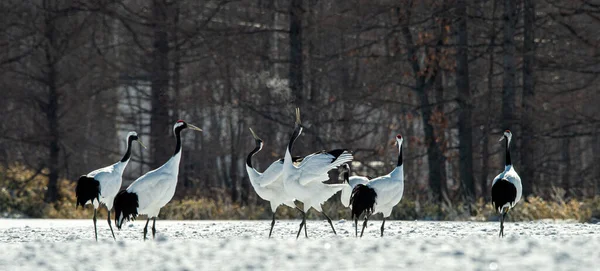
503	192
336	153
87	189
125	205
362	200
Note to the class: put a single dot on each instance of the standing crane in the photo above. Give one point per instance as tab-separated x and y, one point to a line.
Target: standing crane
378	195
102	185
304	181
153	190
506	187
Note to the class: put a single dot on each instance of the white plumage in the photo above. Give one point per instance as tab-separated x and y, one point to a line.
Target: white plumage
268	184
378	195
507	188
102	185
305	181
153	190
351	182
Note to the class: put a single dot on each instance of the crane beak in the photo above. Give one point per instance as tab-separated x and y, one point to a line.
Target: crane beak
502	138
194	127
298	122
254	134
139	141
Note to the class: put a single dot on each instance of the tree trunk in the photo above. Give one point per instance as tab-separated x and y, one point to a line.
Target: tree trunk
565	158
509	75
527	124
295	35
596	151
435	157
485	153
51	108
464	103
159	119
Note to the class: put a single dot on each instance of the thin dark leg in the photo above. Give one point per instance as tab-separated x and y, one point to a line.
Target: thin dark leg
146	229
110	226
501	234
305	233
329	220
95	230
364	226
302	224
382	226
356	226
272	224
153	227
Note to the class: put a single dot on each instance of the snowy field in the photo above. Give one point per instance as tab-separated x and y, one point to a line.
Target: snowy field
243	245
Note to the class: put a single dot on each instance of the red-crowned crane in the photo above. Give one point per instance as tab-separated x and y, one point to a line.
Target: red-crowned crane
153	190
268	184
304	181
378	195
102	185
506	187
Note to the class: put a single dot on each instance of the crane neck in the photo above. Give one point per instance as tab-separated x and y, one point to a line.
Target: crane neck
399	164
252	153
295	135
127	155
508	162
178	137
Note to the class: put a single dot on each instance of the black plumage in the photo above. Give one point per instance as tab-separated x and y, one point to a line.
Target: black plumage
125	205
87	189
503	192
362	200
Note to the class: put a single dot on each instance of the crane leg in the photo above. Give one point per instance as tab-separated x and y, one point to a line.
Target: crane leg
364	226
382	226
146	229
95	230
153	227
356	226
272	224
501	234
330	224
110	226
302	224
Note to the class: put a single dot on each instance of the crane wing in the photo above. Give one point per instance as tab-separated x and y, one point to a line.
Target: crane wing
387	189
271	174
101	171
151	187
314	167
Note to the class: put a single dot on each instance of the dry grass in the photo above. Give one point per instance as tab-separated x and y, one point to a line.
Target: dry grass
22	194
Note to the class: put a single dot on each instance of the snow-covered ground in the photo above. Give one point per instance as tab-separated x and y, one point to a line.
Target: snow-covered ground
31	244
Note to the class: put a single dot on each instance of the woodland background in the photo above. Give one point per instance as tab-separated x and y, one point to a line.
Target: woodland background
450	75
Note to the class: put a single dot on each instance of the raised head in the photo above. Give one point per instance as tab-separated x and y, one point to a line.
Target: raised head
259	142
133	136
180	125
508	135
399	138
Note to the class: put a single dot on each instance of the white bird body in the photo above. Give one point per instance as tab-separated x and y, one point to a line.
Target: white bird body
507	188
110	178
269	185
102	185
510	175
389	189
153	190
157	187
305	181
378	195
